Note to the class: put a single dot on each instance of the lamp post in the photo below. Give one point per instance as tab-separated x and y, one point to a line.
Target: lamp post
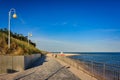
29	35
12	10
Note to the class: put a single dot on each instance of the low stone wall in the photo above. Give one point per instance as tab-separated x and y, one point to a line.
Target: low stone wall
28	60
9	64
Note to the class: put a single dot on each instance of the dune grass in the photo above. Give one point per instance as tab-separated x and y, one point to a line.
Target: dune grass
17	47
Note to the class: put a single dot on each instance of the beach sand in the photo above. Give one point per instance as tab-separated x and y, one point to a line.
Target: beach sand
71	54
63	54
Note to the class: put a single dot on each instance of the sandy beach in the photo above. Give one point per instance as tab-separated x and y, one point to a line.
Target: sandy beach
65	54
71	54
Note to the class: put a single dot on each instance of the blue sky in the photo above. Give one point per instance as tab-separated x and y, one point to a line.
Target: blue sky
66	25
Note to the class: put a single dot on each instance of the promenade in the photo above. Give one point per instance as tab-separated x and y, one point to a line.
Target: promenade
46	68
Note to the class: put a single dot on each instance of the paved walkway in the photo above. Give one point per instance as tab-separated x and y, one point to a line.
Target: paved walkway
50	69
79	73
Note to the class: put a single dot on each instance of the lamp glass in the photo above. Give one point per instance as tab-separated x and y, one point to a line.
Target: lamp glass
14	15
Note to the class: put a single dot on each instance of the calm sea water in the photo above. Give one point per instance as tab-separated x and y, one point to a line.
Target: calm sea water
112	58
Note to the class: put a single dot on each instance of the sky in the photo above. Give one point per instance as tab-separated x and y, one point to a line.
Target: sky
66	25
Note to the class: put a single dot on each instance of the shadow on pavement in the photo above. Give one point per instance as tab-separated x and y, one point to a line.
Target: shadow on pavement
54	73
38	62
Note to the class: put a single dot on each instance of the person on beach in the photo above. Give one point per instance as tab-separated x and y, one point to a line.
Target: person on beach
55	55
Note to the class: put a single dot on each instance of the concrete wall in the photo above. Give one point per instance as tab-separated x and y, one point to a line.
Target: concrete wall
28	60
10	64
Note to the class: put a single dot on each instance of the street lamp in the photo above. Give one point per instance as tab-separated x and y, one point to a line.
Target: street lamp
12	10
29	35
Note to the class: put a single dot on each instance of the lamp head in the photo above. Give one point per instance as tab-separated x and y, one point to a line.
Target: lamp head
30	35
14	15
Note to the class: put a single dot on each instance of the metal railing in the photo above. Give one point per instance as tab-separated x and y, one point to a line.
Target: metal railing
101	71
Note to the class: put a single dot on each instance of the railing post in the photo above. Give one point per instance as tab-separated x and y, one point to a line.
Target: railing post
119	75
92	66
104	70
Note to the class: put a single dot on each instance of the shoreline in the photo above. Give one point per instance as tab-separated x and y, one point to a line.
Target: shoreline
71	54
65	54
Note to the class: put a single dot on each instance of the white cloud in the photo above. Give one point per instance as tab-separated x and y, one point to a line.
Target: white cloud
55	45
22	21
96	46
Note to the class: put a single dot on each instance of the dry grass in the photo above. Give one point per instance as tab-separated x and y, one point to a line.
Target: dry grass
17	47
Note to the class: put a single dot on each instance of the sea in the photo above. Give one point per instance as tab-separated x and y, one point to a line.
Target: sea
111	58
